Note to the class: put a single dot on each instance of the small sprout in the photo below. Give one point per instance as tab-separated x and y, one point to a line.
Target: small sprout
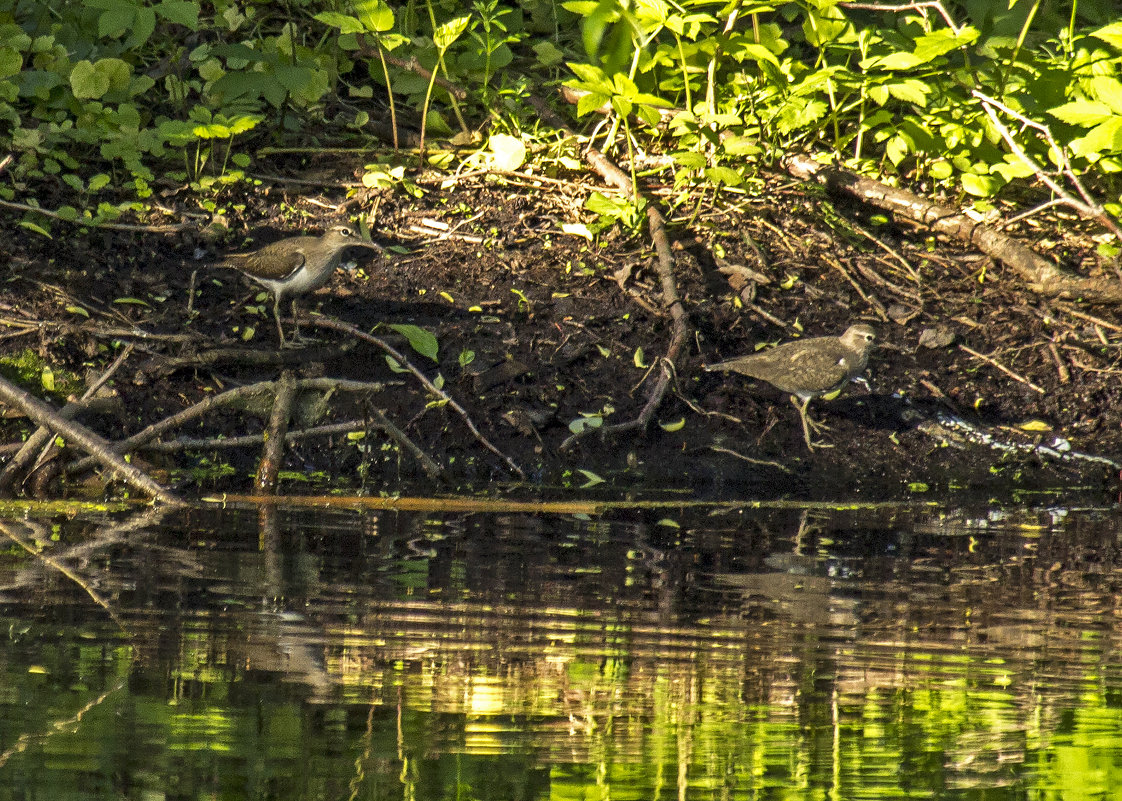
605	352
448	297
638	359
78	310
466	357
677	425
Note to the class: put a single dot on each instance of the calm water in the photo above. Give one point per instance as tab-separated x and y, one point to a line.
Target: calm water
671	654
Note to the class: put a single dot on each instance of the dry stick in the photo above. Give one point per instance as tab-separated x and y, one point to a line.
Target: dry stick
1002	368
1039	274
381	422
431	468
350	330
224	399
272	455
680	327
98	447
25	452
1061	368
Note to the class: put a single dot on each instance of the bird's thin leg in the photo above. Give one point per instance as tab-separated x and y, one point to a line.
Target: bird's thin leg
808	424
276	316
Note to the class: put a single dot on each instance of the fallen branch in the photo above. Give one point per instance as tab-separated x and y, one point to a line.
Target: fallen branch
19	463
98	447
1039	274
238	395
380	421
272	455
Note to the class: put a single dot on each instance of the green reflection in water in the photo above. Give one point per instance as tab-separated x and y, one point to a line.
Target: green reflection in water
368	659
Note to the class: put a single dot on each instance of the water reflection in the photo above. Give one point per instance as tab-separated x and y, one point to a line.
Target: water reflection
303	653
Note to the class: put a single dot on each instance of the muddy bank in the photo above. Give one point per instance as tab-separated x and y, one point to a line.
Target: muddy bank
979	386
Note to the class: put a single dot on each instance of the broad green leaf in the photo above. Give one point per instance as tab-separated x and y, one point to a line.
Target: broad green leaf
1085	113
420	340
1112	34
449	32
980	185
466	357
86	82
344	23
181	12
376	15
585	422
11	62
47	378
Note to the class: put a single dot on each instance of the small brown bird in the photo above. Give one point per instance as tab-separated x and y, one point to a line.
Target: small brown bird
296	265
808	368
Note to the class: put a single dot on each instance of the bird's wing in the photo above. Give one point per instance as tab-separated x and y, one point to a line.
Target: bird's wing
271	266
831	365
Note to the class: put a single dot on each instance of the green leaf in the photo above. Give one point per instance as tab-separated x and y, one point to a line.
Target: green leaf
132	302
593	479
99	181
637	359
395	365
181	12
86	82
1085	113
466	357
78	310
30	226
376	15
420	340
449	32
585	421
678	425
344	23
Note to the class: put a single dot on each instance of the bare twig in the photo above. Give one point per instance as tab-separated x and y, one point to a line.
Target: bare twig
994	363
272	455
336	325
261	389
1088	206
150	229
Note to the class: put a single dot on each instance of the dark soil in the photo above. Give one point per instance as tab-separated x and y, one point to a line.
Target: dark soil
555	336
